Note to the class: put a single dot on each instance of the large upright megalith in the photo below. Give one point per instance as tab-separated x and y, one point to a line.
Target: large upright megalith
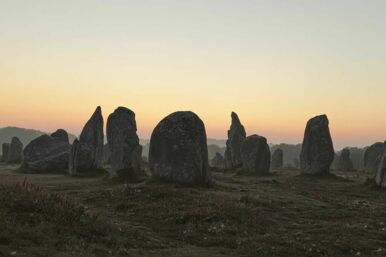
178	150
86	153
5	149
255	154
123	142
380	177
345	163
277	159
15	153
236	136
372	157
317	150
47	153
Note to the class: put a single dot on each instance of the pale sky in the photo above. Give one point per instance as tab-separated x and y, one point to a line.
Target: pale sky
275	63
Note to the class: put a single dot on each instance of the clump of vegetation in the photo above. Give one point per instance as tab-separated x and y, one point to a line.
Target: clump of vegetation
240	215
35	222
30	217
296	216
202	217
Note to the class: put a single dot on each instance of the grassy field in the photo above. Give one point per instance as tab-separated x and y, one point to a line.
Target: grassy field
283	214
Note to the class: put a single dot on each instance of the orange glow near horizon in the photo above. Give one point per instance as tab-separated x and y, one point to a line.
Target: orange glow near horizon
276	128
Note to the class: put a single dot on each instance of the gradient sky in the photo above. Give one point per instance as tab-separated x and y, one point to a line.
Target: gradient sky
276	63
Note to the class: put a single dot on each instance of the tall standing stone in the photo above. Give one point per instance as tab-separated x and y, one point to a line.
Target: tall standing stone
178	150
255	154
87	152
372	157
380	177
236	136
277	159
123	142
5	148
15	154
345	162
317	150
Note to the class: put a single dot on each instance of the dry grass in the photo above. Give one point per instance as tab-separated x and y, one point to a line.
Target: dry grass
35	222
278	215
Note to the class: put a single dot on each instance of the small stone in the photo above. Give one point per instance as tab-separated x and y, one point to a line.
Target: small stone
255	154
15	153
277	159
345	162
372	157
380	177
218	161
5	148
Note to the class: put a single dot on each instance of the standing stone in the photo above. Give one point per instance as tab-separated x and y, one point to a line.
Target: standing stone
5	148
178	150
277	159
380	178
335	162
123	142
87	152
345	162
218	161
255	154
296	163
15	154
317	150
61	135
372	157
236	136
47	154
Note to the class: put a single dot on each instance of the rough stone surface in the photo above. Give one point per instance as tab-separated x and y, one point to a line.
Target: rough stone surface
5	148
47	154
61	135
218	161
380	177
372	157
87	152
255	154
317	150
15	154
345	162
277	159
178	150
236	136
123	141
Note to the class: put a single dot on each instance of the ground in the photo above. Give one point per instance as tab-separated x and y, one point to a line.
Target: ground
283	214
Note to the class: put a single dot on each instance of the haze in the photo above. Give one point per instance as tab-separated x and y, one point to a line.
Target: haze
276	63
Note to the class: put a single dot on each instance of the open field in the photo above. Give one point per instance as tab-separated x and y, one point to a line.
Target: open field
283	214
